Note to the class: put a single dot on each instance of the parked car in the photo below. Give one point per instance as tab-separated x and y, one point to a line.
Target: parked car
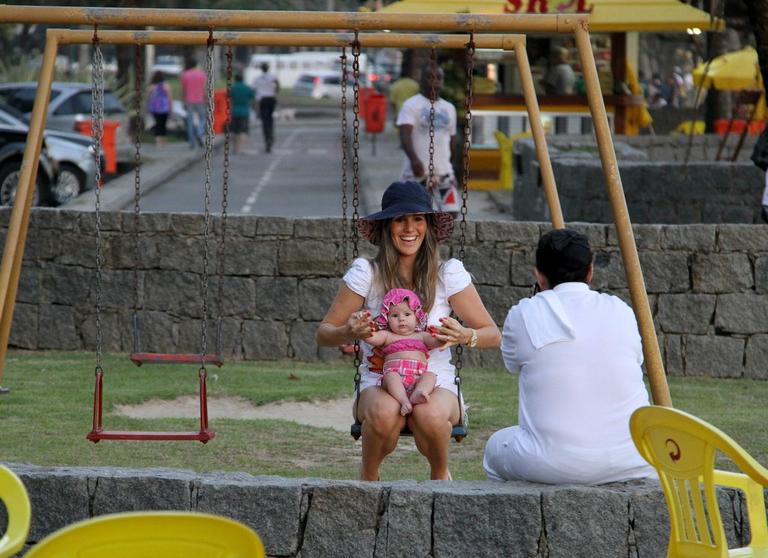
69	106
319	85
169	64
12	142
73	153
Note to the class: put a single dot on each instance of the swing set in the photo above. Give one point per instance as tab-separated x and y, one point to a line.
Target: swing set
427	31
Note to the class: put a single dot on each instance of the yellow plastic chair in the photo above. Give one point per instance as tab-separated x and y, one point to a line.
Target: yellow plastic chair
682	449
152	535
14	496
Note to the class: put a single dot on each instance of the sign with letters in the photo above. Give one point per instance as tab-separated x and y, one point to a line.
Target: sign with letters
547	6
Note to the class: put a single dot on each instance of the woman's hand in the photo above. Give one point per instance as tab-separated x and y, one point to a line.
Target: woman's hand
450	332
360	325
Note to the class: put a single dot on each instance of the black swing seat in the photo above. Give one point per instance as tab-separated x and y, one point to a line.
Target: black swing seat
458	432
168	358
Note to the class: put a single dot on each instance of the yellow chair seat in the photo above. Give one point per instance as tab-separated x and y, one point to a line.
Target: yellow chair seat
14	496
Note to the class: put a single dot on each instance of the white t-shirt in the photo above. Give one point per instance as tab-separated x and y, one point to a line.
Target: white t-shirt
415	112
265	86
577	390
451	279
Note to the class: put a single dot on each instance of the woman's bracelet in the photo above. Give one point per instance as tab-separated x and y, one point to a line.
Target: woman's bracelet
472	339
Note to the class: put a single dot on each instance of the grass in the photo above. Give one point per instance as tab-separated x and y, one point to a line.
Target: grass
46	417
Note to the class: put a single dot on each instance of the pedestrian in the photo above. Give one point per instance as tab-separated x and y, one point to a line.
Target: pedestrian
159	103
193	83
560	79
407	232
414	128
579	356
760	158
267	87
242	99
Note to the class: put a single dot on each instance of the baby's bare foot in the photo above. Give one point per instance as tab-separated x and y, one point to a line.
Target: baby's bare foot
406	408
418	396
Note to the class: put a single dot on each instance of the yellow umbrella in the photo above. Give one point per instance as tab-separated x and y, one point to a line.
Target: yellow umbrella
732	71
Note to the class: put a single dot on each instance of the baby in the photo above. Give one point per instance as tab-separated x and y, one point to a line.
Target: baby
406	348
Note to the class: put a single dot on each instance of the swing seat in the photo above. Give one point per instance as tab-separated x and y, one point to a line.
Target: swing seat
458	432
169	358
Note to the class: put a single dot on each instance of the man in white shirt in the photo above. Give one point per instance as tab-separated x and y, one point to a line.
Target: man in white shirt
579	356
266	87
414	125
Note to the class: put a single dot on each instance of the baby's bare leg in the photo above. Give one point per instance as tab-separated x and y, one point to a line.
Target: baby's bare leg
393	383
425	386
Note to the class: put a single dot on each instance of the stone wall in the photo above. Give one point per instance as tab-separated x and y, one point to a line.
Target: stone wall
658	186
318	518
707	284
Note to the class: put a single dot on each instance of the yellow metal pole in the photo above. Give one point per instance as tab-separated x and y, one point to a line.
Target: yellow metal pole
286	38
539	138
10	268
653	362
253	19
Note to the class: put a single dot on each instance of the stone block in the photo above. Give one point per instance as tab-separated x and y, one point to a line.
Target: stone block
329	229
239	226
689	238
756	365
608	271
505	519
264	340
272	508
685	313
307	257
742	238
521	269
665	272
407	516
246	257
111	221
78	249
24	327
488	266
151	222
498	300
742	313
158	332
761	275
274	226
277	298
596	233
187	224
57	324
522	235
189	336
118	290
315	297
649	519
58	498
178	254
176	293
115	490
116	332
647	237
303	344
42	244
238	297
585	522
29	288
673	355
342	520
713	355
721	273
69	285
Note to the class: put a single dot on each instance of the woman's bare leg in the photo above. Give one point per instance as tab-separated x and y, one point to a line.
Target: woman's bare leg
431	424
382	422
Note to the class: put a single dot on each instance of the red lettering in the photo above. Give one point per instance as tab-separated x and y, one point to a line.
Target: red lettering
512	6
543	8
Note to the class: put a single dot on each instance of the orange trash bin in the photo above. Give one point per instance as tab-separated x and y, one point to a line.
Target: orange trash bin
108	141
375	113
219	110
362	101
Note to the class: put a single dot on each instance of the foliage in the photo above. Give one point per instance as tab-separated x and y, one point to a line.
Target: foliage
49	409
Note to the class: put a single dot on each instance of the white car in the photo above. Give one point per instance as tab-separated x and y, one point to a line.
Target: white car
320	85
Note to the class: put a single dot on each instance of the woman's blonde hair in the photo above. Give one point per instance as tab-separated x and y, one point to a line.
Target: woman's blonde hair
386	268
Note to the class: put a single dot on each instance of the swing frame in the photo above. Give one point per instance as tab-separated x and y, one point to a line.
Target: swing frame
481	25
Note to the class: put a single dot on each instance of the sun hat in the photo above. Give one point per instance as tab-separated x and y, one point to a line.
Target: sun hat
395	297
405	198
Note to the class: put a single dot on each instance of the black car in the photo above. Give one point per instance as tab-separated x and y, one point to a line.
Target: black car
12	142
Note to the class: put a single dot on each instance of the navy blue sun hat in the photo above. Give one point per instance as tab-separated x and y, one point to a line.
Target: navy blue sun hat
406	198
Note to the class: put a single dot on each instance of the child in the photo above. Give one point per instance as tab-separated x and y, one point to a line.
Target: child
406	348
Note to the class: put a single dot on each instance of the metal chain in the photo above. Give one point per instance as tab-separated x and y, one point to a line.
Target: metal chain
470	63
224	198
138	125
207	208
356	179
432	99
344	161
97	133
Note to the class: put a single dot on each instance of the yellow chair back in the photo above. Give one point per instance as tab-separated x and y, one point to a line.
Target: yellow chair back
152	535
14	496
682	449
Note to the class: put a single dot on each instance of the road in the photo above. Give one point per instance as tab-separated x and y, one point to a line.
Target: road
300	178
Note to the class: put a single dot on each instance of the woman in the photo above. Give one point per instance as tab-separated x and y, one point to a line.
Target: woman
407	231
159	104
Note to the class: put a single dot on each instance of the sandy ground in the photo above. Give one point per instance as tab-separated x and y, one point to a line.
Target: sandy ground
336	413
